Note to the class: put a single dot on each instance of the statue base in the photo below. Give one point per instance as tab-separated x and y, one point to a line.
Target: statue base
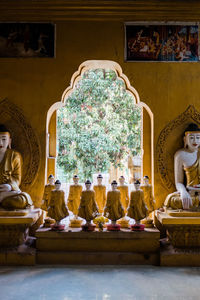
57	227
75	223
88	227
147	222
113	227
15	226
124	223
137	227
183	230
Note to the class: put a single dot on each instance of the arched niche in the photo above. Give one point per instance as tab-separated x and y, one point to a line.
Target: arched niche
147	116
24	140
169	141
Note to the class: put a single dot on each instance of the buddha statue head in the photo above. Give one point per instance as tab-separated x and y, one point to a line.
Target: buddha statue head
114	185
192	137
51	179
75	179
146	180
57	185
121	180
5	140
99	179
137	185
88	185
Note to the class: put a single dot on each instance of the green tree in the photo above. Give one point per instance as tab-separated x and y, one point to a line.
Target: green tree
98	126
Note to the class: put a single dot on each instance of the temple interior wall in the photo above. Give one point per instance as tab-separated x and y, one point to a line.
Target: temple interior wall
35	84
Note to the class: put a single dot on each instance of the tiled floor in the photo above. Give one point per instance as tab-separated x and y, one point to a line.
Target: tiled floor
99	283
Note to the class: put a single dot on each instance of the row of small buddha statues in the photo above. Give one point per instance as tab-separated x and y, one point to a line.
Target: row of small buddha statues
186	164
89	203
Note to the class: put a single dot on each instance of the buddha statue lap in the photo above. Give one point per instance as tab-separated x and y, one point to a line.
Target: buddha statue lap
187	163
114	209
88	208
57	209
100	193
11	196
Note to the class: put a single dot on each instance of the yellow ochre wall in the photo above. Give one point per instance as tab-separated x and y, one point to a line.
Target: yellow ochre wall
34	84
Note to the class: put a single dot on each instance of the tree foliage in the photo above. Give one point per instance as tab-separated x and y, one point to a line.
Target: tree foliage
98	126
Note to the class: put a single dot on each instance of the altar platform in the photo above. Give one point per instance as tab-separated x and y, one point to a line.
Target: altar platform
72	246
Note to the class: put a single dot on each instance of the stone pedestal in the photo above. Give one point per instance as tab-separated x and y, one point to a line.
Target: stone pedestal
75	247
182	228
14	226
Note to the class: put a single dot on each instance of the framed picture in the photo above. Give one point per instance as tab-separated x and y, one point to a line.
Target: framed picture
169	42
27	40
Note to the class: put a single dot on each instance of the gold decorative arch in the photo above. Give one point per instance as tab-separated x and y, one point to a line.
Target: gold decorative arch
24	140
169	141
105	64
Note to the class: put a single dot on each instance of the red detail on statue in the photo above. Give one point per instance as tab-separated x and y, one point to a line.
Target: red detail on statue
113	227
57	227
88	227
137	227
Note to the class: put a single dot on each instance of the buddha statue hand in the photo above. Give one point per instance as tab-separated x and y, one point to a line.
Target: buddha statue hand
186	199
5	188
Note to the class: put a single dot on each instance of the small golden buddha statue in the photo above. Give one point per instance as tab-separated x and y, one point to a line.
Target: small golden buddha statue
100	193
11	196
124	192
114	209
137	209
187	164
57	209
148	194
74	197
88	209
47	193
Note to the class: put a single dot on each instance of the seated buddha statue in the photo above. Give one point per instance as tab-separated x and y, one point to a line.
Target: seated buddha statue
100	193
114	209
137	209
88	208
74	197
124	192
47	192
11	196
186	165
148	194
57	209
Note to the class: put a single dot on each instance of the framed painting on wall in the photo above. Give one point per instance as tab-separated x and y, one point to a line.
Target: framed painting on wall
27	40
170	42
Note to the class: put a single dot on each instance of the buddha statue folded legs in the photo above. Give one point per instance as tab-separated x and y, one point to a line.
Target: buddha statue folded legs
11	196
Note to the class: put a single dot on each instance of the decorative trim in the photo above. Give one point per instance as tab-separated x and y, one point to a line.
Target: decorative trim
30	141
117	10
161	159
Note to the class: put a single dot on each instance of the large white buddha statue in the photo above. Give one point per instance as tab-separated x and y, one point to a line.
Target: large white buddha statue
11	196
187	165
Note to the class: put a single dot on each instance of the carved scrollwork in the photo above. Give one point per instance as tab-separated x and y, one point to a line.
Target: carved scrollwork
24	140
169	141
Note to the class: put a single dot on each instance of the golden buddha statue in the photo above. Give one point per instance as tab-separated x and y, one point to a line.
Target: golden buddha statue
57	209
114	209
47	192
187	164
11	196
100	193
88	209
137	209
124	192
74	197
148	194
